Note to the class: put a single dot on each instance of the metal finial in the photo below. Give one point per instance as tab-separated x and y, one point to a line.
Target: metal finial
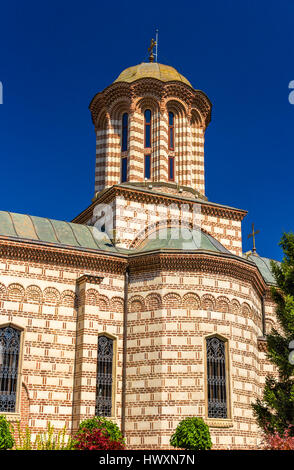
253	238
150	50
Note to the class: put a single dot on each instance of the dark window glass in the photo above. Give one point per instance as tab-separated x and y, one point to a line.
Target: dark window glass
171	168
124	140
104	377
216	378
171	144
147	170
9	358
147	115
124	169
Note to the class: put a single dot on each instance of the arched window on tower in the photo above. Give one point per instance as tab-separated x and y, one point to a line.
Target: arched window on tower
125	131
147	139
171	131
216	378
104	383
171	168
124	169
9	363
147	167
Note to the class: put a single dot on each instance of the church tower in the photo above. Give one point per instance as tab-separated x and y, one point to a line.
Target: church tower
150	125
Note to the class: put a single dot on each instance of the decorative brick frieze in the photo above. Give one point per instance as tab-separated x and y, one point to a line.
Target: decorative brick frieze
262	344
33	252
86	278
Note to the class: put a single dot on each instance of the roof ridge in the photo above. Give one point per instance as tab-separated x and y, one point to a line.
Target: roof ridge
12	222
30	217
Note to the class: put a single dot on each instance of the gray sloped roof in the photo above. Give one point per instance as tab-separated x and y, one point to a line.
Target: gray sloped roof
59	232
264	266
180	238
41	229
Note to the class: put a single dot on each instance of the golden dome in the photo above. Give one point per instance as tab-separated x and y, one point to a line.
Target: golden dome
165	73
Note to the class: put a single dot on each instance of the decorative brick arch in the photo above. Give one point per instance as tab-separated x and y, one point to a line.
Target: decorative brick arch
235	307
33	294
92	297
102	121
207	302
196	118
191	300
147	102
117	304
158	225
172	300
246	310
222	304
122	105
68	299
103	303
137	304
269	325
16	292
147	231
177	106
2	291
51	296
153	301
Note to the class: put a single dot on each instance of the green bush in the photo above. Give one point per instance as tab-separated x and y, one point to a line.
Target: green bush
107	426
192	434
6	437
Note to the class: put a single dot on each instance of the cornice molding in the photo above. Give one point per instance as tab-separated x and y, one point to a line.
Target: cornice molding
262	344
218	263
222	264
150	196
79	258
86	278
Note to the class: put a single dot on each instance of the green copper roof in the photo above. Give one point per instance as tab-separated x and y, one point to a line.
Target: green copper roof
264	266
53	231
181	239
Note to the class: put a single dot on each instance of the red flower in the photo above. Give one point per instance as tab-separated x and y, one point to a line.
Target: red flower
279	441
96	440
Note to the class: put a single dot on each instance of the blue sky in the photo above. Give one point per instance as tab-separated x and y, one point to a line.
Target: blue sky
54	56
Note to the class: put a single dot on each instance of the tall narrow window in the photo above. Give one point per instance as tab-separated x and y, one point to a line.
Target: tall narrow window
216	378
171	168
147	167
171	140
147	116
124	169
9	359
125	128
104	377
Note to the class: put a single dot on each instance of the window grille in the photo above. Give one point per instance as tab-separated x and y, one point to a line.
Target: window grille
216	378
9	358
104	376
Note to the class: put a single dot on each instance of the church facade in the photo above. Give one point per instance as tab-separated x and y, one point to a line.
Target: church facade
144	308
